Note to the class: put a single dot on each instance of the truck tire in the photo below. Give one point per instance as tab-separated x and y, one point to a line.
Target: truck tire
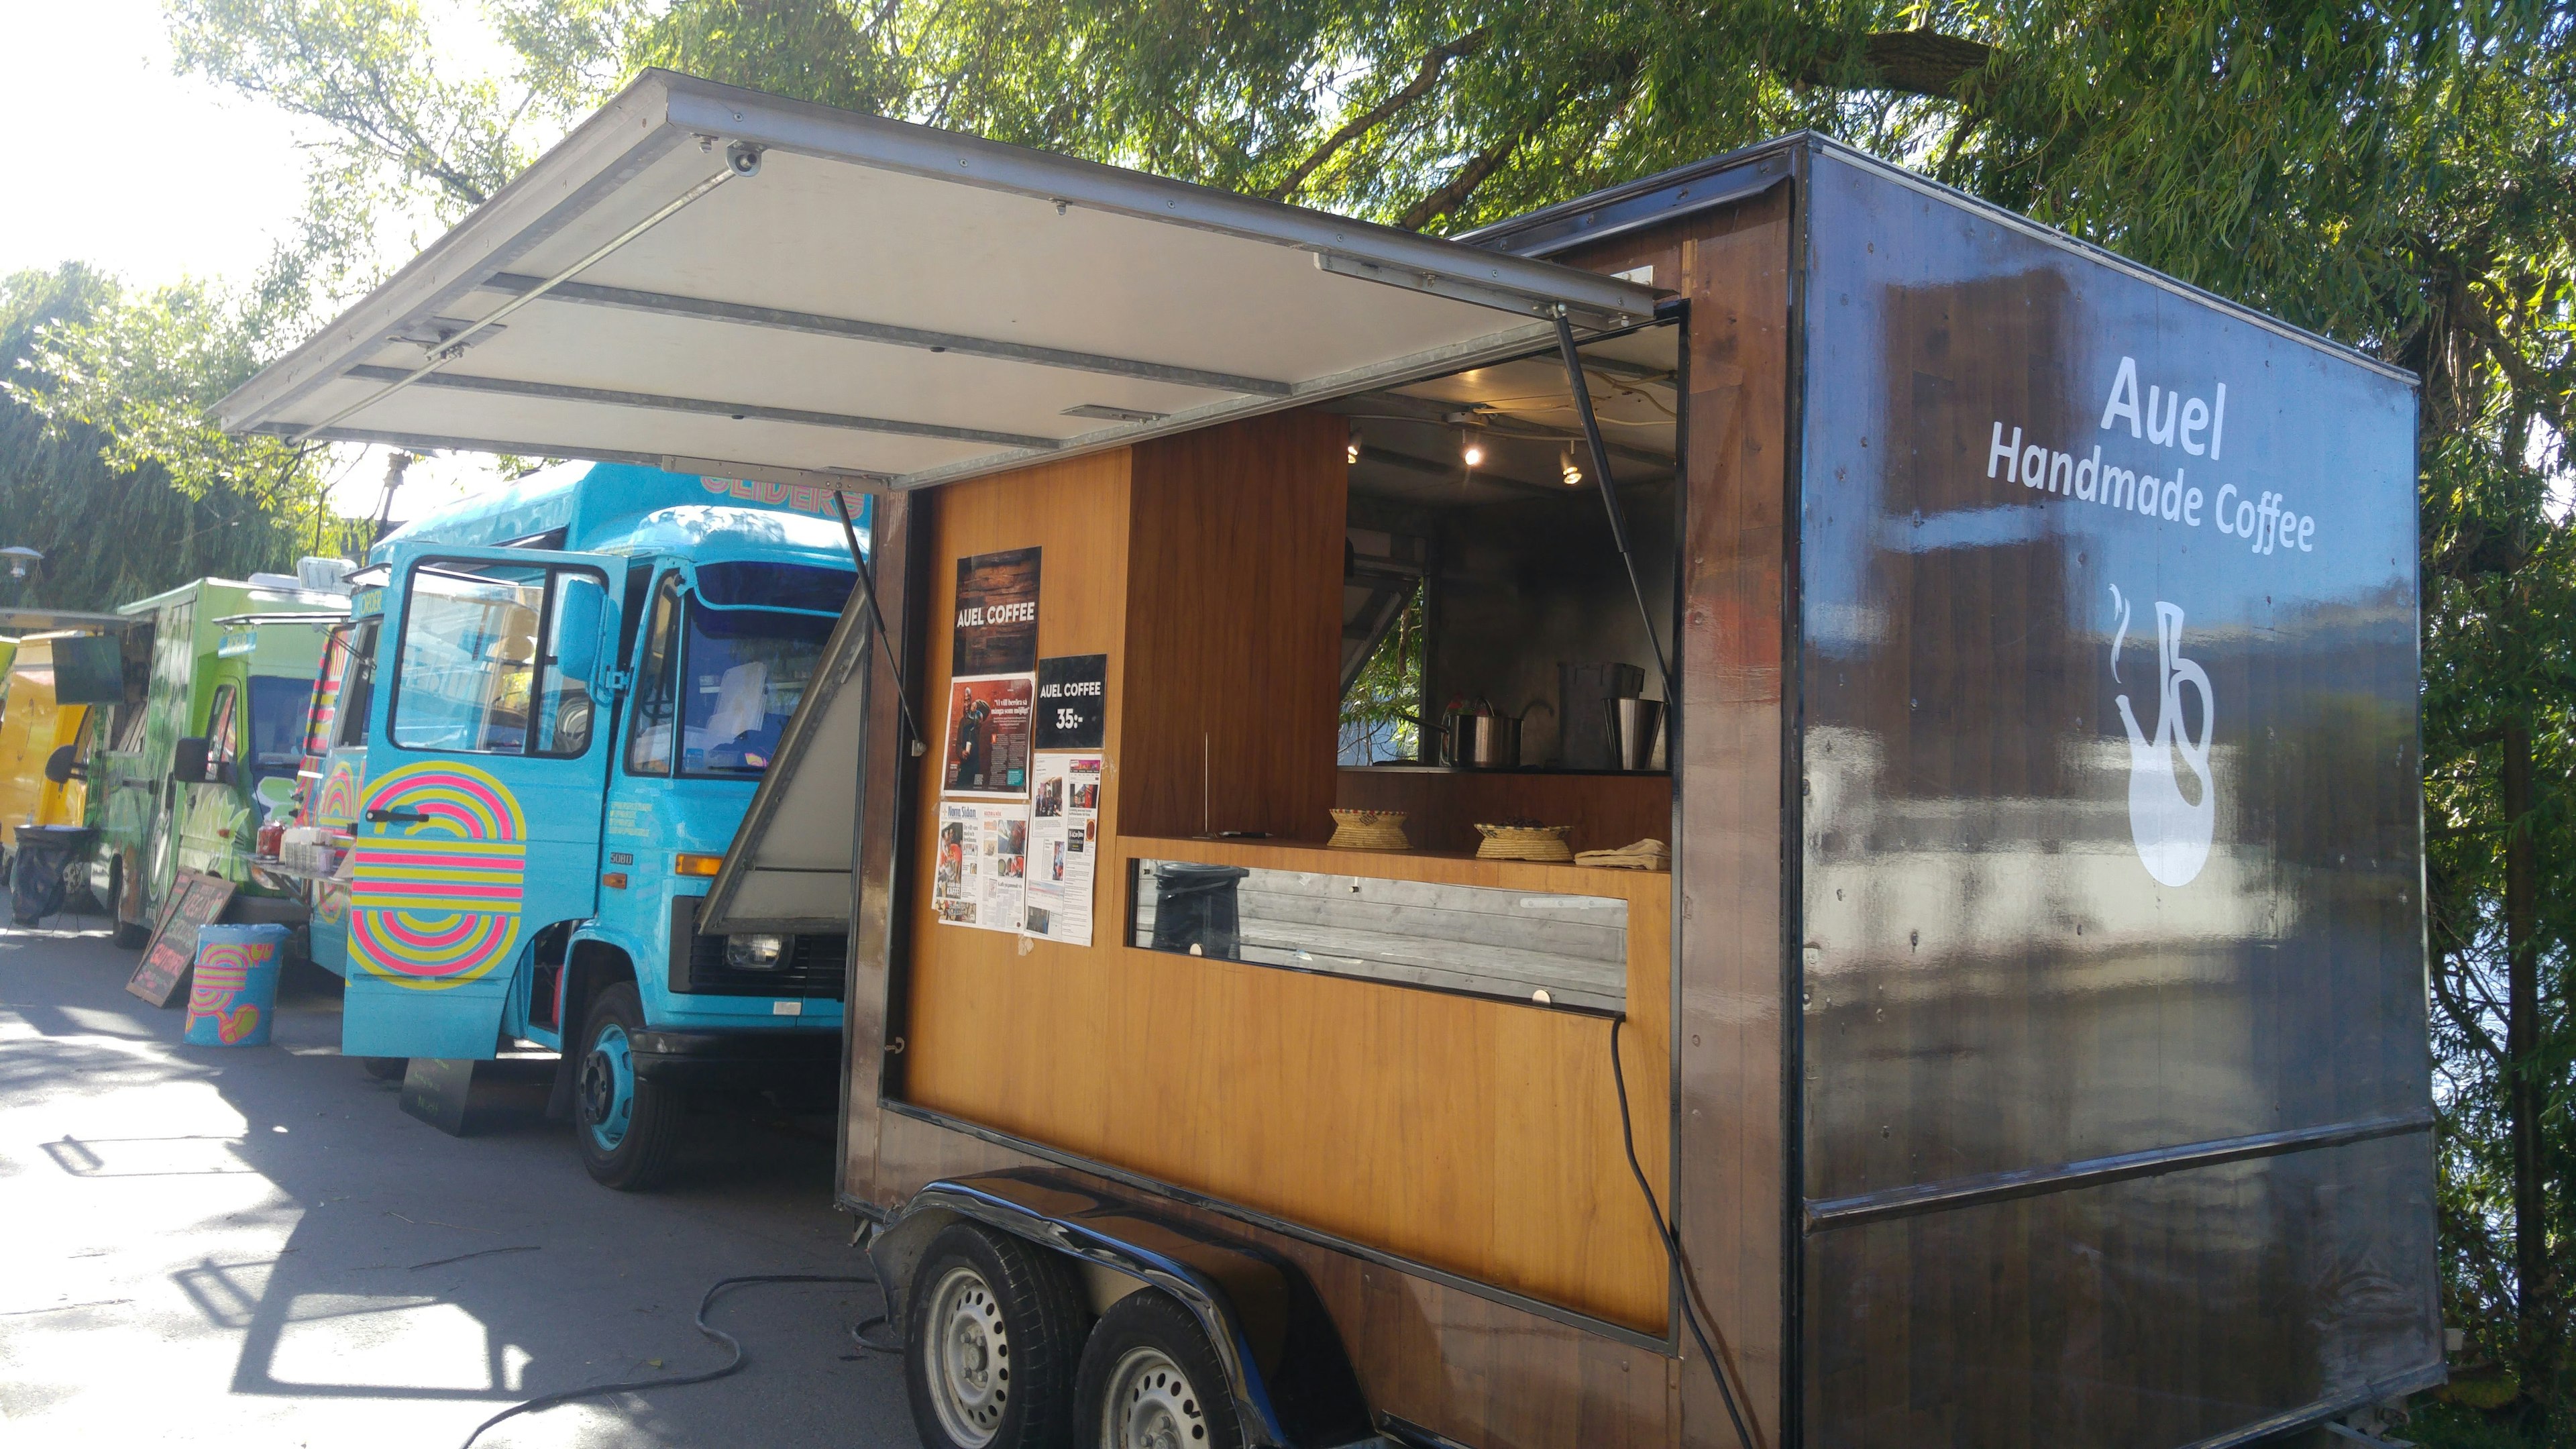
1149	1377
990	1340
626	1127
386	1069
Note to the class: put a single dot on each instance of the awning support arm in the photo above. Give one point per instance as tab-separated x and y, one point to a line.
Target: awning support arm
1610	500
885	636
740	160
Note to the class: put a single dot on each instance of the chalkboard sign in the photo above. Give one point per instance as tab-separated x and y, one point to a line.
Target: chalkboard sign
195	900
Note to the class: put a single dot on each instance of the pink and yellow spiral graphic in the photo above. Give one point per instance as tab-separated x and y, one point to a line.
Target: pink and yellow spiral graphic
339	802
221	972
434	902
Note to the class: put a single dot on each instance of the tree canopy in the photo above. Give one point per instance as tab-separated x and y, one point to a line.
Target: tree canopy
2400	176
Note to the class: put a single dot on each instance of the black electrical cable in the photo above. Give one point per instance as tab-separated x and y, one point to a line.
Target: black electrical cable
885	636
1672	1245
731	1366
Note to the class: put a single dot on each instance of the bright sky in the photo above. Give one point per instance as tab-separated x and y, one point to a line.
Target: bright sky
140	172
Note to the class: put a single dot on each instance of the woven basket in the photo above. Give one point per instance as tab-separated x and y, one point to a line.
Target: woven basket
1525	842
1368	830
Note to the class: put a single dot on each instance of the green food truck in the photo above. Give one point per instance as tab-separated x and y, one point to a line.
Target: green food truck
211	753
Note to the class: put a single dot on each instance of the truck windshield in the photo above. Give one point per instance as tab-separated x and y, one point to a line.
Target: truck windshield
745	668
278	710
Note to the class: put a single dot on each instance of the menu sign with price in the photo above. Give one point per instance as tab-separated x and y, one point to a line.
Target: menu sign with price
1064	822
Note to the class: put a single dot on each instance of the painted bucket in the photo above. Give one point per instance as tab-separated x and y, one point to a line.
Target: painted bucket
236	985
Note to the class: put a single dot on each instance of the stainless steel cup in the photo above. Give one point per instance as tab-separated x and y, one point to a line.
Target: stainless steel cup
1634	724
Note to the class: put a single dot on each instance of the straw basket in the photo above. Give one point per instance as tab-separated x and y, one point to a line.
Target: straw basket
1525	842
1368	830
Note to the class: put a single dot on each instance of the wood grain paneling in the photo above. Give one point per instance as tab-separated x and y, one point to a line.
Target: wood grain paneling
1441	810
1234	627
1731	1206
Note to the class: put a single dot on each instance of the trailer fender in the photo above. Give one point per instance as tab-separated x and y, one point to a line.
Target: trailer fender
1292	1383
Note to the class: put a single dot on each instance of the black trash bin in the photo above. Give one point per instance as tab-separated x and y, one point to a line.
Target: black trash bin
36	869
1194	905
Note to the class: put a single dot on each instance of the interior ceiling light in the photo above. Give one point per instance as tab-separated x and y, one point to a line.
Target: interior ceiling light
1473	453
1355	445
1565	465
1107	413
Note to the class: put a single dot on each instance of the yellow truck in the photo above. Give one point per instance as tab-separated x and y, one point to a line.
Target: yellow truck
50	685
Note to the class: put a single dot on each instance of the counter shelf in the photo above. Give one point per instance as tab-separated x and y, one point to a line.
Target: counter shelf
1549	937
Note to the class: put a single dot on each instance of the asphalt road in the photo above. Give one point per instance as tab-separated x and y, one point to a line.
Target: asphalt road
254	1246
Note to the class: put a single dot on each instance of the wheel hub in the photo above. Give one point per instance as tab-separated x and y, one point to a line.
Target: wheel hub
1152	1405
970	1351
606	1091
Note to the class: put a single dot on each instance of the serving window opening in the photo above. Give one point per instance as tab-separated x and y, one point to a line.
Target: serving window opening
1497	680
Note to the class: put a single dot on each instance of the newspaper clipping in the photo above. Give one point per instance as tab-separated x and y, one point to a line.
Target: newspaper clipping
1064	847
983	864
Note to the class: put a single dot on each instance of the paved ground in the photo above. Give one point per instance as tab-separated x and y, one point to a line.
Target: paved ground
243	1246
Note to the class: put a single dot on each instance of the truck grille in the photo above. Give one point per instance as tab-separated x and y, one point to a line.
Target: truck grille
816	969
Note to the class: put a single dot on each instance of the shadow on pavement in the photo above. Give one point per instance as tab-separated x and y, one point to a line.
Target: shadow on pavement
404	1266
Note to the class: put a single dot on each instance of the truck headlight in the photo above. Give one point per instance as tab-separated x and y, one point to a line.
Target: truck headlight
755	953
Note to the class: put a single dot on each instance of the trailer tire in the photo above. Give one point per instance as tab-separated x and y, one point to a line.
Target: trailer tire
626	1127
990	1342
1150	1377
386	1069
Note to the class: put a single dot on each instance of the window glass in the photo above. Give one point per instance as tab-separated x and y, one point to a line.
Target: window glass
776	585
744	671
222	737
576	619
358	687
279	708
469	652
648	733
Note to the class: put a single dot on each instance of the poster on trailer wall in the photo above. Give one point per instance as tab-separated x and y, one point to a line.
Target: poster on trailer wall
980	876
1064	824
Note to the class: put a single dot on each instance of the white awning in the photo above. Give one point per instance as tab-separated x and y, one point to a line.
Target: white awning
729	283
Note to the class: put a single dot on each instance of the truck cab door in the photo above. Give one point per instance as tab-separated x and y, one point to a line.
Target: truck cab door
487	762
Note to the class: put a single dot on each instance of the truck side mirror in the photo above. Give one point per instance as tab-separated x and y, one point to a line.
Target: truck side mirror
62	768
188	759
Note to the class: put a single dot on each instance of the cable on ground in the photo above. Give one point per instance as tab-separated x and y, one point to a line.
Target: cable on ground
729	1367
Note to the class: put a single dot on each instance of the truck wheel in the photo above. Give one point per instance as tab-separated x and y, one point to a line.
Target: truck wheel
989	1343
1149	1378
386	1069
625	1126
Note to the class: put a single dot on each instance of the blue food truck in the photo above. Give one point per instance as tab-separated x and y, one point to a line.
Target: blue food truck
544	720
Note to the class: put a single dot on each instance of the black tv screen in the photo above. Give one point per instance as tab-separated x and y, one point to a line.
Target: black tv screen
89	669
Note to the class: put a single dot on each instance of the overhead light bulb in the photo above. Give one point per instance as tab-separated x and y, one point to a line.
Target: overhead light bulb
1565	465
1355	445
1473	453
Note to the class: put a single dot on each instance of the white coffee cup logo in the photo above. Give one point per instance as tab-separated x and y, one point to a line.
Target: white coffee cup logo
2172	831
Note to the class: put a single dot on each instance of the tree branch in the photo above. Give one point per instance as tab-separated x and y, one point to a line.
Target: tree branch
1434	61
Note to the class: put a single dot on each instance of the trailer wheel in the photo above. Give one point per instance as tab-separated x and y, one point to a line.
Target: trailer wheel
989	1343
626	1127
386	1069
1150	1380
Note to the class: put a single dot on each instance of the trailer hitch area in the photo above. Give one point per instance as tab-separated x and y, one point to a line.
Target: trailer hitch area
1290	1378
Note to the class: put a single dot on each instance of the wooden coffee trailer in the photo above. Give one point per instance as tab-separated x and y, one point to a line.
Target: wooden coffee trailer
2028	1043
